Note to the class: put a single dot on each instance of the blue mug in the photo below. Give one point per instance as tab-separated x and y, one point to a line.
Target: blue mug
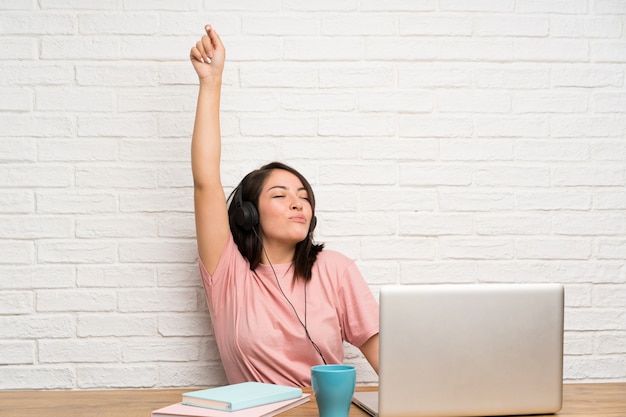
333	387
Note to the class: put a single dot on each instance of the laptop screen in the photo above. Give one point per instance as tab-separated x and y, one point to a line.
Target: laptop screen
470	349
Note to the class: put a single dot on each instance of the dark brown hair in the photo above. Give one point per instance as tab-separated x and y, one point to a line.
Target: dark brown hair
250	242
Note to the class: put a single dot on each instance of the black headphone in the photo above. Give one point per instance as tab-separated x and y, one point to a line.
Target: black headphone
246	215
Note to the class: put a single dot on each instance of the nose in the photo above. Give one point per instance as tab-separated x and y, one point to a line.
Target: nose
297	204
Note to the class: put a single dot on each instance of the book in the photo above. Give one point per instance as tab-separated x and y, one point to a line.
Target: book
266	410
239	396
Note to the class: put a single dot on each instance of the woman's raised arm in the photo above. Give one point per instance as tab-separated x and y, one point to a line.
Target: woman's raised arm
212	229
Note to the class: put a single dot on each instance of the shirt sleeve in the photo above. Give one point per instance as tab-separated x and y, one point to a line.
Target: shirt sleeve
230	260
219	286
359	318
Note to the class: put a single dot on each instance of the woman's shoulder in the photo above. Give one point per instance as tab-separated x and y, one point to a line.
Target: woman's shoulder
333	257
334	268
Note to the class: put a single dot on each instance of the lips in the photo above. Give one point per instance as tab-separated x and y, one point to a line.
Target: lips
299	219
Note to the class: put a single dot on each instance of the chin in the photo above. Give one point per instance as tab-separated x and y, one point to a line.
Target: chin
299	238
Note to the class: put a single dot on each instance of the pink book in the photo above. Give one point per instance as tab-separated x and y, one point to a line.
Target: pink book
267	410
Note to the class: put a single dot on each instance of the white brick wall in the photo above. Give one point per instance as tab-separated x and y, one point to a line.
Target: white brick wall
448	141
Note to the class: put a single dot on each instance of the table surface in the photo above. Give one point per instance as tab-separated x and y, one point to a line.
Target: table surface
588	400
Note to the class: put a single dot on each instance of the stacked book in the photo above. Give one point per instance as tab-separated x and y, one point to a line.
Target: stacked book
246	399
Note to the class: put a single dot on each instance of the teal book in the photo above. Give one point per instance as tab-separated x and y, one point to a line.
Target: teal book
240	396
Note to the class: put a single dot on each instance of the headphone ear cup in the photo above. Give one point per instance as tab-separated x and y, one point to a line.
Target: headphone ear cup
246	215
313	223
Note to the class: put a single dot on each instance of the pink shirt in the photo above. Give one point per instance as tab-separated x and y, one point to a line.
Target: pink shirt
257	332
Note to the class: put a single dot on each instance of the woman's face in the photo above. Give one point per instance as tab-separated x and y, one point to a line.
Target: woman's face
284	208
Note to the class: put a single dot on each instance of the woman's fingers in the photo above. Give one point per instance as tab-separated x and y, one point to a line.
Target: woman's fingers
201	51
209	47
196	54
216	41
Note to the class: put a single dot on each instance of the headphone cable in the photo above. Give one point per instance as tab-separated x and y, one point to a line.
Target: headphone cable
304	324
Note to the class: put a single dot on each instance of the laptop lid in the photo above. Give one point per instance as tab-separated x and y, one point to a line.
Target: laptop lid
470	350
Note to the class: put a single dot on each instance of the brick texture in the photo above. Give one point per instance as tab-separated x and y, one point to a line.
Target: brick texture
447	141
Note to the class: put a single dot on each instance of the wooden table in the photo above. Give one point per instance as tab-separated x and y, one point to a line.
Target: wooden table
588	400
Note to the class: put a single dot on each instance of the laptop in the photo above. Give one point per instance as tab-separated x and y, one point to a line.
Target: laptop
468	350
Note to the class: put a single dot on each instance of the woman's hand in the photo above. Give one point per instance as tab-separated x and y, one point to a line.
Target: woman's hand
208	56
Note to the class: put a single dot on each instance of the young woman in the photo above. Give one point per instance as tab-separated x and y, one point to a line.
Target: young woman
279	303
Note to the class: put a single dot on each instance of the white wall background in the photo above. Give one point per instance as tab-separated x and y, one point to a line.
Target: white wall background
447	141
